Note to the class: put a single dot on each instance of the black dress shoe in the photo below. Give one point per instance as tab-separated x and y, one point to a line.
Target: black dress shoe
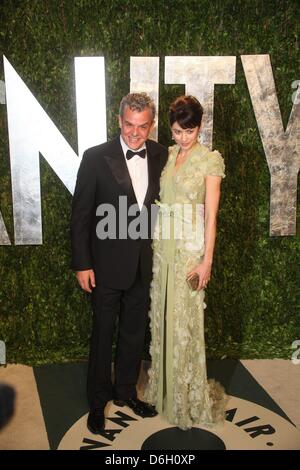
139	407
95	421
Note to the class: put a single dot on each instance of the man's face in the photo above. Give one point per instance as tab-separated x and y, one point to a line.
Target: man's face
135	127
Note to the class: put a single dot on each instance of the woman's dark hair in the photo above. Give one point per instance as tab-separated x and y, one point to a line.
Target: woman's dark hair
187	111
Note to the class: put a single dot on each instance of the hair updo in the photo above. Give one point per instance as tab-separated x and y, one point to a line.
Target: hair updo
186	111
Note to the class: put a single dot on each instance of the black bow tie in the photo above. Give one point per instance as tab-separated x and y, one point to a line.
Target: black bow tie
131	153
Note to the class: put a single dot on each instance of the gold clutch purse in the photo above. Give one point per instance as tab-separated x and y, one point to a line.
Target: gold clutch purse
193	281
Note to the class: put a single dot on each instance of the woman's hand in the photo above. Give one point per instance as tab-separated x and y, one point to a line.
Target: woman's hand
204	271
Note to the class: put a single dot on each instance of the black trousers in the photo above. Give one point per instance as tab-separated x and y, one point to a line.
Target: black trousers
131	307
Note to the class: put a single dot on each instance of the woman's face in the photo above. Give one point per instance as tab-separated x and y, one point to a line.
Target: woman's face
185	138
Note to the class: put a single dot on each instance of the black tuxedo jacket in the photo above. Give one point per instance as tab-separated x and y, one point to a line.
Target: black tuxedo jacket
103	177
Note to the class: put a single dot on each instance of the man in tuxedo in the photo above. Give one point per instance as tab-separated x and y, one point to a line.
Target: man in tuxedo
111	264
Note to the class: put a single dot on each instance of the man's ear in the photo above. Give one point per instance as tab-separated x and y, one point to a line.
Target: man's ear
120	121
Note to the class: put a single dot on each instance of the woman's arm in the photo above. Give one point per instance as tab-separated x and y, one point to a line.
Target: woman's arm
212	199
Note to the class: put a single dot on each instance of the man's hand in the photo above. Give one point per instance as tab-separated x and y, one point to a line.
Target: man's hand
86	279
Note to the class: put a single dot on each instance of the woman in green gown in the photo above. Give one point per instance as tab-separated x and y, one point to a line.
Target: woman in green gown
183	245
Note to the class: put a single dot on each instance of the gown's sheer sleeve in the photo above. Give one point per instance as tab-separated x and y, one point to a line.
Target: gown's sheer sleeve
215	164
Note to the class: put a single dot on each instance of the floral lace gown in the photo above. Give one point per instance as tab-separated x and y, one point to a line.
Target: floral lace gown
178	384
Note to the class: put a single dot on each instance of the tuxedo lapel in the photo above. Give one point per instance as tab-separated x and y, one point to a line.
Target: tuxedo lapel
116	162
152	159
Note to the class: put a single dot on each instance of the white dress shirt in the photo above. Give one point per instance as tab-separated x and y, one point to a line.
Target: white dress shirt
138	171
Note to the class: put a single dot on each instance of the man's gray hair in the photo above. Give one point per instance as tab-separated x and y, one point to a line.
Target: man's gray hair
137	102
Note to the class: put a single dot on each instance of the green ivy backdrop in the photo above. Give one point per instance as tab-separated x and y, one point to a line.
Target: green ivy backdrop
253	297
